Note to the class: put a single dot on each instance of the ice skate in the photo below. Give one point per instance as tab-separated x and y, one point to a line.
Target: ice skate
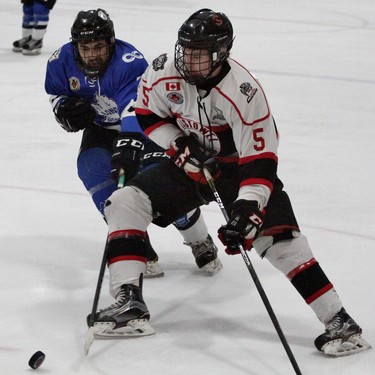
153	269
205	256
20	43
127	317
32	47
343	336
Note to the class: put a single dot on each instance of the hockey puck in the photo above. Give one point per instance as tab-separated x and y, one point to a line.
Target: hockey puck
37	359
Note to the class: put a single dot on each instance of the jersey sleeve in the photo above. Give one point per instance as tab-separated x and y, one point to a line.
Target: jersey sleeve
153	113
124	80
256	139
55	85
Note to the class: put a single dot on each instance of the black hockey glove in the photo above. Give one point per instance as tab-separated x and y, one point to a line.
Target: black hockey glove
75	114
188	154
243	225
127	155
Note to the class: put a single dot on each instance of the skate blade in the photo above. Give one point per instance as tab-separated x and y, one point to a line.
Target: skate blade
213	267
134	328
353	345
33	52
153	275
153	270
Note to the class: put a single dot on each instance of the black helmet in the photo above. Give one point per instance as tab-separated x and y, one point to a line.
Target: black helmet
90	26
204	30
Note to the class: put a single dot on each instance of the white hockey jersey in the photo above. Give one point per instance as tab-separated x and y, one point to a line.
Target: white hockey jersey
233	118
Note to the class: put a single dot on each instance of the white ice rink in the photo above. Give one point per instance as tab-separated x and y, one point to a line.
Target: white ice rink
316	61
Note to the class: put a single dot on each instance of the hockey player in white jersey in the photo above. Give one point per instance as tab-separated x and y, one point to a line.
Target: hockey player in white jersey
209	111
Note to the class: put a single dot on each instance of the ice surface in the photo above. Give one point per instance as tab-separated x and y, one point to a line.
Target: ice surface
316	62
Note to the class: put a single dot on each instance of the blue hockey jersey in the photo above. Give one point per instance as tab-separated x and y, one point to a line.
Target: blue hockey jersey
111	95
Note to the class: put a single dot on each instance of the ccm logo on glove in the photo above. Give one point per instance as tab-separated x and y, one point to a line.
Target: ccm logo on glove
127	155
243	225
132	143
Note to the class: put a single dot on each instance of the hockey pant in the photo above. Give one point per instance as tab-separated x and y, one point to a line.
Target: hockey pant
94	166
129	211
35	19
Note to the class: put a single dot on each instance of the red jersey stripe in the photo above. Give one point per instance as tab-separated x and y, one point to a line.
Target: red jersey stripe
238	111
264	155
157	125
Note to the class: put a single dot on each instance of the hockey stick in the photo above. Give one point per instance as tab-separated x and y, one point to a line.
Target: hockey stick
90	335
91	331
253	274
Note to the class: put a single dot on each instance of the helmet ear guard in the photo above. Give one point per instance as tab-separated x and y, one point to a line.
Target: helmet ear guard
204	30
92	25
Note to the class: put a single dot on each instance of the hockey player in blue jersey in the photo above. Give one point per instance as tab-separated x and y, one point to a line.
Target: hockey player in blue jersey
34	26
92	82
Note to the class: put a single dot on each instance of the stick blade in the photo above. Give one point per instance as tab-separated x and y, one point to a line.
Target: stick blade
89	339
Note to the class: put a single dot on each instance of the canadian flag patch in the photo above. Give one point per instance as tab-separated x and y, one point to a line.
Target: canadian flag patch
173	86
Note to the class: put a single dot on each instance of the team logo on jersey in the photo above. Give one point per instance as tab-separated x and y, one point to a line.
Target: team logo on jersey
202	133
74	84
159	62
218	114
55	55
91	81
247	90
131	56
106	108
175	97
173	86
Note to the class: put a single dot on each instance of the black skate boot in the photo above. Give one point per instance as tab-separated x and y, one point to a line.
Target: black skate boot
32	47
205	255
20	43
128	316
342	336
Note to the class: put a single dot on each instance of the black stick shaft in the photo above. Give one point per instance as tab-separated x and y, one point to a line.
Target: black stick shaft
255	278
121	181
98	286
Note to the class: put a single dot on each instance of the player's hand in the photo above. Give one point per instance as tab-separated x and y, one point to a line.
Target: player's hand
243	225
127	155
188	154
75	114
